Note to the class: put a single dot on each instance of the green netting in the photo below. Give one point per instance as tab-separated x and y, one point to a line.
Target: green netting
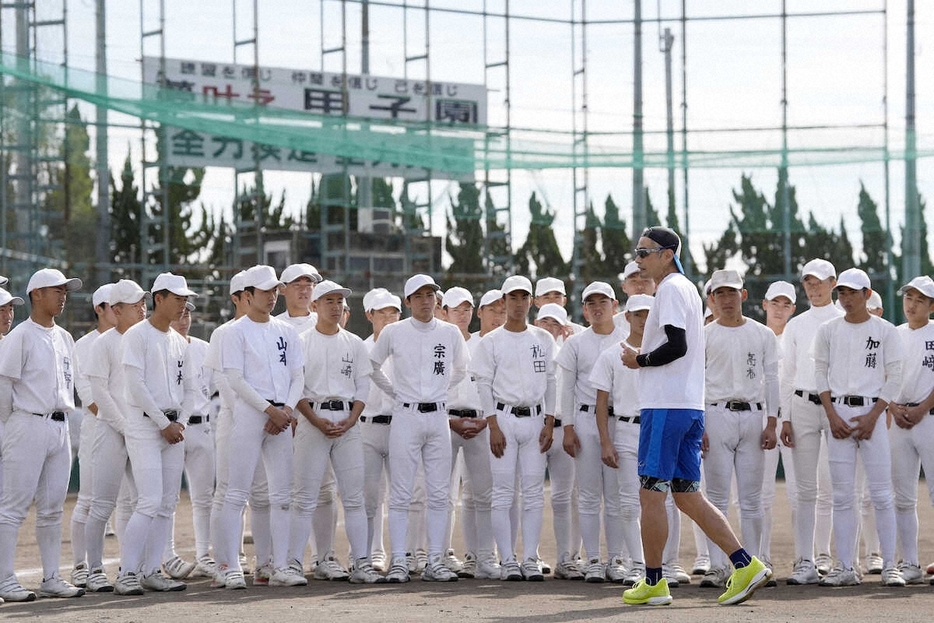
440	147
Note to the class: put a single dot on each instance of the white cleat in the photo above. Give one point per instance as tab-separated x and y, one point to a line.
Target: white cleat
635	573
531	572
715	578
177	568
488	569
157	582
287	576
204	568
912	574
891	576
331	569
79	575
510	571
57	587
437	571
98	582
364	573
839	576
398	571
804	572
128	584
616	571
596	573
568	570
451	561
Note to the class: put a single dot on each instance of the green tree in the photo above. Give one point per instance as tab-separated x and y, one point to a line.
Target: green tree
497	243
464	240
872	259
827	244
593	267
125	209
675	225
617	246
70	197
540	249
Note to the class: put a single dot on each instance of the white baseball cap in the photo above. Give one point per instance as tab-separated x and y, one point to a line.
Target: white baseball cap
370	296
294	271
822	269
707	288
874	301
416	282
490	296
599	287
923	284
725	279
631	269
853	278
236	282
101	295
4	281
455	296
6	298
781	288
382	300
555	312
127	291
50	278
329	287
518	282
262	277
639	302
175	284
549	284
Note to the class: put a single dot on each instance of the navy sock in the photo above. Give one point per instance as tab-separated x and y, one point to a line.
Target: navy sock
653	575
740	558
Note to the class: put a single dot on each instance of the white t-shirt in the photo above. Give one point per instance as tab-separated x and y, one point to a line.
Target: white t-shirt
918	366
679	384
39	362
337	367
299	323
158	376
378	402
622	384
858	359
797	363
267	355
108	380
83	348
576	360
464	395
742	364
428	357
201	375
515	368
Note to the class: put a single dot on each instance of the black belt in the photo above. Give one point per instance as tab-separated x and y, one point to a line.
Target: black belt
915	404
198	419
423	407
635	419
586	408
376	419
737	405
334	405
464	412
854	401
55	416
557	423
809	397
277	405
171	415
520	411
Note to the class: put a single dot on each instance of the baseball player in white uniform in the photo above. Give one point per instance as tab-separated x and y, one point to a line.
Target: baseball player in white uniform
806	430
159	394
428	356
382	308
595	481
912	436
36	395
337	379
199	461
471	441
858	368
779	306
79	516
618	392
631	282
552	290
514	368
741	387
263	366
109	451
7	302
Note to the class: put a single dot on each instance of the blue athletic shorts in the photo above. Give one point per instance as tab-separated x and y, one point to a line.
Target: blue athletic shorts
670	443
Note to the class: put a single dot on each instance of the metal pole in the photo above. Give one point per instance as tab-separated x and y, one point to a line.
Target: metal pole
103	167
365	212
911	245
783	172
889	255
23	157
638	192
667	41
688	267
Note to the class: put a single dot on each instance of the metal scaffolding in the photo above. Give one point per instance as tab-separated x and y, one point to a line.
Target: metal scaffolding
580	174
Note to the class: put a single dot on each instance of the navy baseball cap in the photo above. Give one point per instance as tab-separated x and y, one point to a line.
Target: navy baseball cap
666	239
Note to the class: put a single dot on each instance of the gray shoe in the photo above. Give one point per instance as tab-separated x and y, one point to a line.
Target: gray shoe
841	577
803	573
715	578
98	582
57	587
567	570
531	571
398	571
510	571
79	575
437	571
128	584
157	582
177	568
912	574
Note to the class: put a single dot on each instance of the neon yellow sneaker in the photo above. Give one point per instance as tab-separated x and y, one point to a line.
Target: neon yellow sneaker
643	594
744	582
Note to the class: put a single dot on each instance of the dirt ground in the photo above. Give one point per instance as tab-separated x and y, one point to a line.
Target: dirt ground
476	600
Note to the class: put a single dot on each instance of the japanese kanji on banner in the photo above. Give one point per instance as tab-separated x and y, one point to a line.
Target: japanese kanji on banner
373	97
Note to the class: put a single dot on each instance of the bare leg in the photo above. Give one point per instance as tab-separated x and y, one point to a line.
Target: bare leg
709	518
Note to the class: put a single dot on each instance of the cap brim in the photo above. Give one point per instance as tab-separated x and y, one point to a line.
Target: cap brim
850	285
345	292
15	300
266	285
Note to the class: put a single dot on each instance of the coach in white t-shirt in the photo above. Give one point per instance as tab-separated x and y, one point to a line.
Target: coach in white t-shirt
36	397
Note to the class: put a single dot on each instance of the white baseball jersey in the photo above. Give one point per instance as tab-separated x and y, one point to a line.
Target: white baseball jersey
858	359
83	348
25	356
378	402
157	377
268	356
680	384
515	368
337	367
464	395
742	364
212	361
428	357
576	360
797	363
622	384
918	368
201	376
299	323
108	380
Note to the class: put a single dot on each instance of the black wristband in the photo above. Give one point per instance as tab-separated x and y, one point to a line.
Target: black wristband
642	360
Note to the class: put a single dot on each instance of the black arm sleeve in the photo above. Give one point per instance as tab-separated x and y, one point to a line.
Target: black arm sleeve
674	348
